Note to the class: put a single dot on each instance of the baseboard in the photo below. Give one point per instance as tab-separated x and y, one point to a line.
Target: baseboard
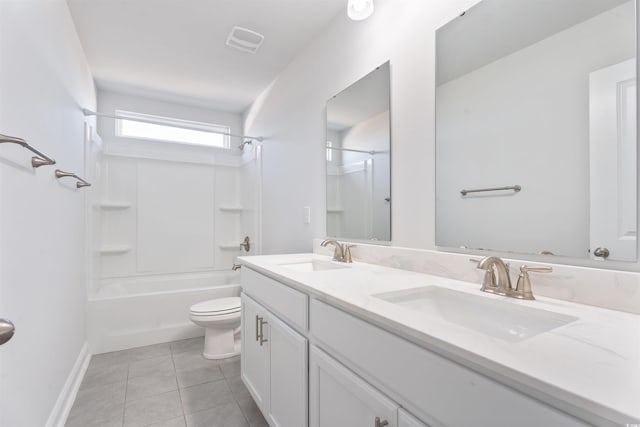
67	396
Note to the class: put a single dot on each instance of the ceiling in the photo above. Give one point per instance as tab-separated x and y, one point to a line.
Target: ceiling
495	28
175	49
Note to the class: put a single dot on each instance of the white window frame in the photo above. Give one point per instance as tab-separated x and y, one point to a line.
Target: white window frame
175	123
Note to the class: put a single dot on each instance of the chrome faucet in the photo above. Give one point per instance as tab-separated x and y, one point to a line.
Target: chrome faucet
342	252
502	286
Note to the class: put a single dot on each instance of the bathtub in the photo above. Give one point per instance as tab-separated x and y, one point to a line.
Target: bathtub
137	311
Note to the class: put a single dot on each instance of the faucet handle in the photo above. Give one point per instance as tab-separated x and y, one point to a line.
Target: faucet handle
523	288
347	252
538	269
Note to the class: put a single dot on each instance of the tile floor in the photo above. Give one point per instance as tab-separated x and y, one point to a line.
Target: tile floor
168	385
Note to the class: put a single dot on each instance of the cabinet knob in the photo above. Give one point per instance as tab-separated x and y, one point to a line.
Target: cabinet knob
381	423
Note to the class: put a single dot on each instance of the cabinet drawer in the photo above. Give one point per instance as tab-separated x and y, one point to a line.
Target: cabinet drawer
286	302
428	385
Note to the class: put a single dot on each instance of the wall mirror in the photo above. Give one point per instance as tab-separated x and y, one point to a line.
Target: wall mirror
358	156
536	146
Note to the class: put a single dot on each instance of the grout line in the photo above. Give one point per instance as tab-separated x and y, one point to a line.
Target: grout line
173	363
126	386
235	399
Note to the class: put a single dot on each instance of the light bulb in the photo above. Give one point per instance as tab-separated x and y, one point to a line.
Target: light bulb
359	5
359	9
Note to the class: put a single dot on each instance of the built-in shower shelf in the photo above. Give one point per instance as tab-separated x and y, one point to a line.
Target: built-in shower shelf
231	208
335	210
229	246
114	250
114	205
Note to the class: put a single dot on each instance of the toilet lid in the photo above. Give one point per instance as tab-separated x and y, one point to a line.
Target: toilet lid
217	306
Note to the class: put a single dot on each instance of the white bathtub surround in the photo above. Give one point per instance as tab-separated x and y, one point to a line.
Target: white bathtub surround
587	368
612	289
133	312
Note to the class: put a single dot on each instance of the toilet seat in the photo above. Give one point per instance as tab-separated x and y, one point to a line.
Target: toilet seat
217	307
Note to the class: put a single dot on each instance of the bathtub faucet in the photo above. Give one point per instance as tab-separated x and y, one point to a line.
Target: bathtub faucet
236	266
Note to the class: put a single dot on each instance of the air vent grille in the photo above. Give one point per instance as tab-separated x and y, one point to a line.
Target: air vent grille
244	40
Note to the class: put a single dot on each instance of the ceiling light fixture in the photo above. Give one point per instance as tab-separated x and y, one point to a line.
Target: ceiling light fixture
359	9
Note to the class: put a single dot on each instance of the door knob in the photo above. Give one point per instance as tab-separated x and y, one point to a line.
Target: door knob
601	252
6	330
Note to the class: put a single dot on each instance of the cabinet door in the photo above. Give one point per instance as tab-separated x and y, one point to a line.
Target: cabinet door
254	356
288	373
407	420
339	398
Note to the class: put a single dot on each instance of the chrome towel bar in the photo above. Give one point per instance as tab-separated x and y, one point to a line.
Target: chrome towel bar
515	188
40	159
81	182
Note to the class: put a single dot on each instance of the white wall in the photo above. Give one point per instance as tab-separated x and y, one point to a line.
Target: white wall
481	142
44	82
290	114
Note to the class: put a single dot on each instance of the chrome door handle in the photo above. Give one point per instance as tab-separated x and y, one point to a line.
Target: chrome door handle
602	252
381	423
262	339
7	330
257	328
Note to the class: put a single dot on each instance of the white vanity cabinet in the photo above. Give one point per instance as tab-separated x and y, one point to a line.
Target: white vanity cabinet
274	358
339	398
436	389
320	366
253	358
407	420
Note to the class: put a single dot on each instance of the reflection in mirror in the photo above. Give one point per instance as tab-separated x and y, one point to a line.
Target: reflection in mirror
540	95
358	160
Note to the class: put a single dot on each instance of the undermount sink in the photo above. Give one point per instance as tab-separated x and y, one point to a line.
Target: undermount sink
313	265
498	318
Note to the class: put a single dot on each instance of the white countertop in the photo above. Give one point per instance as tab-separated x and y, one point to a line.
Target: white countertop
589	367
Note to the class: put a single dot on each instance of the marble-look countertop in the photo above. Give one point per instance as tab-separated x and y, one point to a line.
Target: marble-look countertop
589	368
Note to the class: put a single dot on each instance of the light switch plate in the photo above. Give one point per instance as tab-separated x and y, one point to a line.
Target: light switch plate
307	214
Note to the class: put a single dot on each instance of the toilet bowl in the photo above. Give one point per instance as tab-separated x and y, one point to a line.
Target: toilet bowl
221	320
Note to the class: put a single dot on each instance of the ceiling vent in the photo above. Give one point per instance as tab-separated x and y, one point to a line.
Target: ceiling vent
244	40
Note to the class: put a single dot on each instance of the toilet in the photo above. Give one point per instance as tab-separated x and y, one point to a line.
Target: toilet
221	320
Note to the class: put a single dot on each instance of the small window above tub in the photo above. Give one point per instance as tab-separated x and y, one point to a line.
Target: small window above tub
158	128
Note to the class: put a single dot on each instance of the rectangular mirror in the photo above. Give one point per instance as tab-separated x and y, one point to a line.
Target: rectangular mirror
536	142
358	159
